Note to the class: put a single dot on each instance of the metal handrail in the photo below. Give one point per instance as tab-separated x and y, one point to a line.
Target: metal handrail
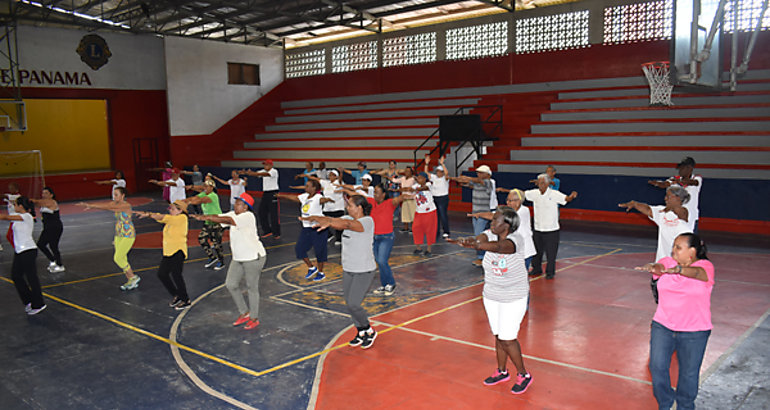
498	108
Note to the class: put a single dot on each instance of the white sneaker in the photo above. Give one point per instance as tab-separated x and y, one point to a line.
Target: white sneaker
445	235
56	268
36	311
51	266
28	308
337	243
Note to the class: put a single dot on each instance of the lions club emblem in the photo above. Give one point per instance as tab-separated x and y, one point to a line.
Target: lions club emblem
93	51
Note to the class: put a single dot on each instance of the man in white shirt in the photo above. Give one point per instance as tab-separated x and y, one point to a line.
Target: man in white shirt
176	186
546	234
269	205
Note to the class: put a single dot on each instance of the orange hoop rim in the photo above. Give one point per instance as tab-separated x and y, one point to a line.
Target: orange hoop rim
654	63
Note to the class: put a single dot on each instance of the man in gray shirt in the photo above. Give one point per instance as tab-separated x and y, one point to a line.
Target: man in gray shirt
482	193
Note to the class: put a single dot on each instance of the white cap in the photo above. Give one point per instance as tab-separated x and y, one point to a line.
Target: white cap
367	176
485	169
439	168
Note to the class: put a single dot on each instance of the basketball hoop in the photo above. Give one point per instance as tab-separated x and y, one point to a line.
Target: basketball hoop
660	86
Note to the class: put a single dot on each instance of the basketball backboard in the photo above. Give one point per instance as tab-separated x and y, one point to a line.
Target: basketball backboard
693	20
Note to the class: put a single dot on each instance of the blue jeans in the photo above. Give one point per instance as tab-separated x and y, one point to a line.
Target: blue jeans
383	244
690	348
479	225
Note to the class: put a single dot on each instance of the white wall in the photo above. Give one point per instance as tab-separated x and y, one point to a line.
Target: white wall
136	62
199	98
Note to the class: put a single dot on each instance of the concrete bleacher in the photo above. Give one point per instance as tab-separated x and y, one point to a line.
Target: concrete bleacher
615	132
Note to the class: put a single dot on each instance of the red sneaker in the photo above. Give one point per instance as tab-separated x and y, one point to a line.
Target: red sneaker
241	319
253	323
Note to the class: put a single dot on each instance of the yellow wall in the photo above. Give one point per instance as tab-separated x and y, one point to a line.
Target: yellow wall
71	134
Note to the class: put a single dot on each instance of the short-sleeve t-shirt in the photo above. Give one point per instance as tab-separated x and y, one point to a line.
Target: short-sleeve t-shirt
357	247
424	200
331	191
440	186
669	227
481	196
174	234
310	206
358	175
684	304
505	275
210	208
525	229
176	192
244	241
365	191
270	183
22	233
382	214
546	207
236	188
694	191
118	183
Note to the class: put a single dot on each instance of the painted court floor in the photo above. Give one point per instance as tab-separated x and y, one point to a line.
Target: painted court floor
585	337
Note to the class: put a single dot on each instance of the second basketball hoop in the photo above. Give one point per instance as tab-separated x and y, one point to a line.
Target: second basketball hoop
660	86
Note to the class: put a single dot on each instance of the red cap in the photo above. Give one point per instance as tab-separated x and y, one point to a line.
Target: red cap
247	199
268	162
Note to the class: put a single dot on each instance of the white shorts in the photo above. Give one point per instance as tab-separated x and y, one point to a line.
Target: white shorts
505	318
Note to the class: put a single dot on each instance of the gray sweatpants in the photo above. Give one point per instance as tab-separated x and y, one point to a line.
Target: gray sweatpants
251	270
355	286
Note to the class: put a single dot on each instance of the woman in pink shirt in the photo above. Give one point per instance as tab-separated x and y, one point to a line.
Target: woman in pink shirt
682	322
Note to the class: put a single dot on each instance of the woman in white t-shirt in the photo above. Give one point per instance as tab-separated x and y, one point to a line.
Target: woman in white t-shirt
24	269
505	292
672	219
118	181
237	186
514	201
311	204
249	258
331	188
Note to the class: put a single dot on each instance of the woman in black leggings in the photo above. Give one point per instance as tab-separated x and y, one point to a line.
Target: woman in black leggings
23	270
174	251
48	243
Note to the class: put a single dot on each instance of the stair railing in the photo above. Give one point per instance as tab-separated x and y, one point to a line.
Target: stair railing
495	119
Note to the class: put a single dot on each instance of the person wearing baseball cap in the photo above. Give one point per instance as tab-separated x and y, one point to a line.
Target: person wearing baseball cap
439	188
175	185
174	251
268	205
210	236
483	189
249	258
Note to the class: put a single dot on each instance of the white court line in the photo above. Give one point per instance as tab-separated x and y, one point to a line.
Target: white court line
714	366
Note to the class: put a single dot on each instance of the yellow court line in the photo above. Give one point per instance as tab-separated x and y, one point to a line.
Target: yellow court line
274	368
109	275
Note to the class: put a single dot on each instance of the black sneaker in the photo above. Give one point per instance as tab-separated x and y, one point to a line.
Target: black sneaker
417	252
388	290
369	339
175	302
182	305
497	377
427	253
357	340
522	383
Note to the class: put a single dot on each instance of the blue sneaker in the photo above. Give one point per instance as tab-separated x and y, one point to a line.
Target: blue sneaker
311	272
319	277
219	265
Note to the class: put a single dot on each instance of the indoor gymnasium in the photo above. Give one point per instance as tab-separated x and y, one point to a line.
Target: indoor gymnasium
412	204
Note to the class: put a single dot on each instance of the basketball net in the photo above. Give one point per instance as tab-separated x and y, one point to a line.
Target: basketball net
660	86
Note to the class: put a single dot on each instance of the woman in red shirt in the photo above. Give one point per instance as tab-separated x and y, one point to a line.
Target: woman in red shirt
382	213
